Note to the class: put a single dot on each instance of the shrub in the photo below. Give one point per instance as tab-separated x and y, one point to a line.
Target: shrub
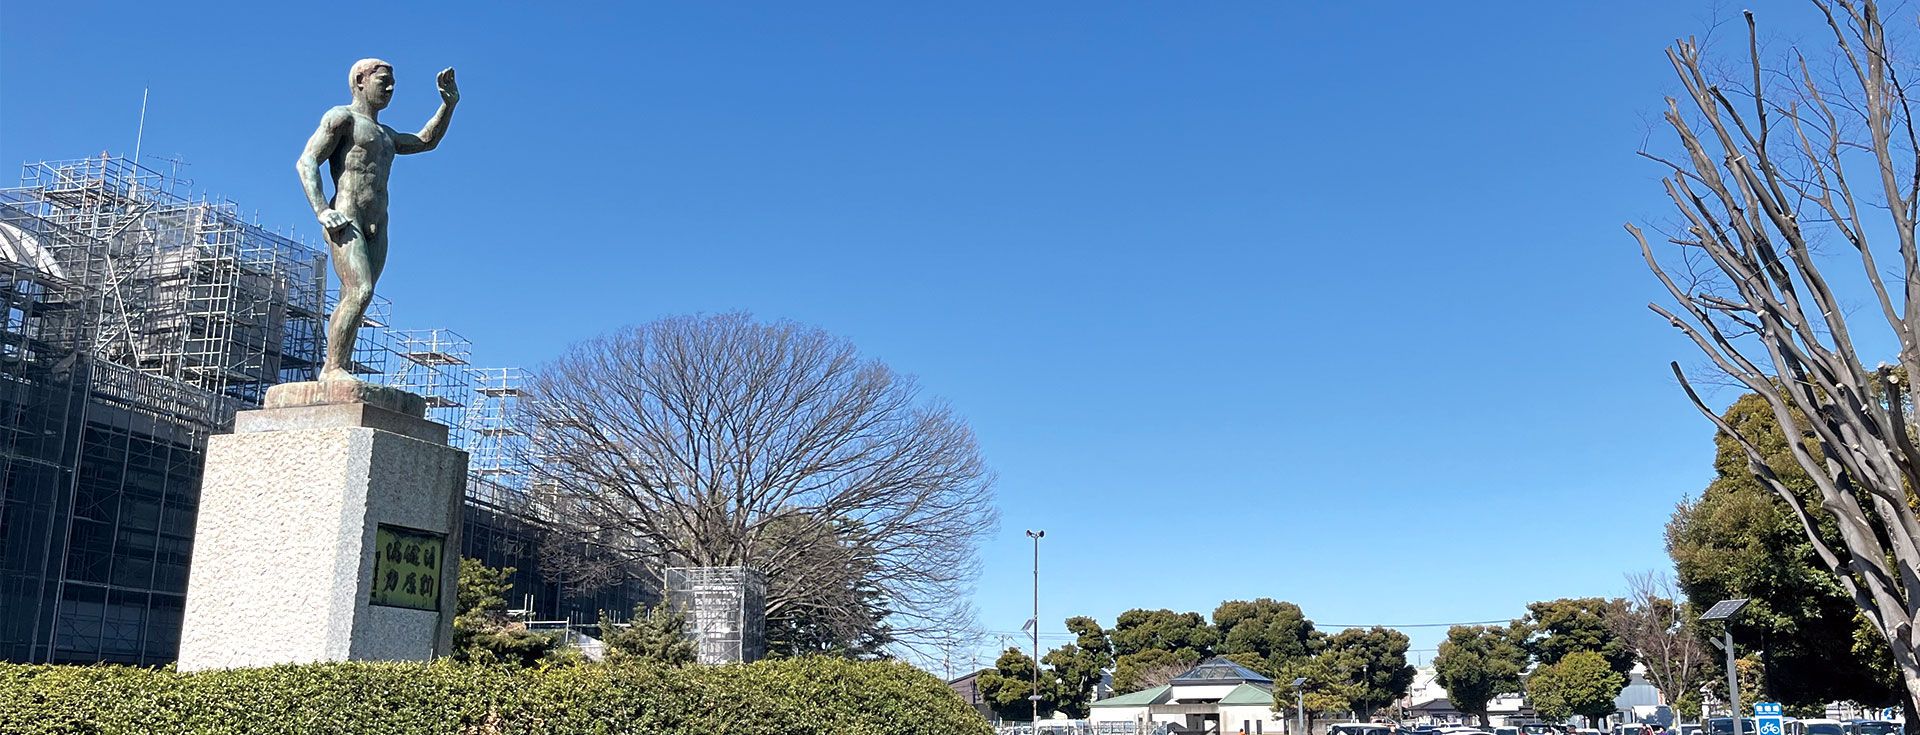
657	635
482	631
799	696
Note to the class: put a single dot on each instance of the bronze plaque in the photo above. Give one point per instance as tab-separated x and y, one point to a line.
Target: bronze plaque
406	567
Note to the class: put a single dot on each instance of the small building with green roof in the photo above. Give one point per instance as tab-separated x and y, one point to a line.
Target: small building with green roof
1217	696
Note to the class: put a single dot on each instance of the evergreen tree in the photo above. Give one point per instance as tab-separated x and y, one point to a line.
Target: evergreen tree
482	630
1076	667
658	635
1476	664
1011	681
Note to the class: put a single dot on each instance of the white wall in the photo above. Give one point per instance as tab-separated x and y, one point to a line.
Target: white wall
1116	714
1231	716
1189	692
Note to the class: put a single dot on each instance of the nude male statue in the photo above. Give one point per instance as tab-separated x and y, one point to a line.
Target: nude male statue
361	151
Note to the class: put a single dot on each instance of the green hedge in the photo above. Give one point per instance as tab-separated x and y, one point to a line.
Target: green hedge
818	695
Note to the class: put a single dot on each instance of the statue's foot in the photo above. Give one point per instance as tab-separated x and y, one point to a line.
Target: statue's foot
333	373
345	389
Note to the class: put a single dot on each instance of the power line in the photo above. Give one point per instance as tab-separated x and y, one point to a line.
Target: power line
1067	636
1412	625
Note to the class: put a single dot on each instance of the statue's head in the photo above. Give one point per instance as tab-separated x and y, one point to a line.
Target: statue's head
372	80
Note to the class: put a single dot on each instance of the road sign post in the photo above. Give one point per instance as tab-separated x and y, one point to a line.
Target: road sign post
1766	718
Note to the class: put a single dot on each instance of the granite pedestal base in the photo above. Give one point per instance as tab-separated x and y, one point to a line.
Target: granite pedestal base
284	550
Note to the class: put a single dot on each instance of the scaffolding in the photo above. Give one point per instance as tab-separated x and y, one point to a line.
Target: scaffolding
433	364
139	319
726	609
497	447
135	319
190	291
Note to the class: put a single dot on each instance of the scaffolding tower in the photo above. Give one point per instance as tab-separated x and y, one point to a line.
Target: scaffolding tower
497	446
726	609
189	290
433	364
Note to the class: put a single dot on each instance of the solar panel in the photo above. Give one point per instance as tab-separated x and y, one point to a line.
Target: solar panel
1724	609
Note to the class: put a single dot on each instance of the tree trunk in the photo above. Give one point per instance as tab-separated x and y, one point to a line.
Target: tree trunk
1907	704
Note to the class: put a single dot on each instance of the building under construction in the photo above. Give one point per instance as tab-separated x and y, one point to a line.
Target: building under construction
139	317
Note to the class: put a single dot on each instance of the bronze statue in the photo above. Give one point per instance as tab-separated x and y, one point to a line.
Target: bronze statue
360	150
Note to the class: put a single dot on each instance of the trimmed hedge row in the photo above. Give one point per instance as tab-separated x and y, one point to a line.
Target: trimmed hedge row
792	697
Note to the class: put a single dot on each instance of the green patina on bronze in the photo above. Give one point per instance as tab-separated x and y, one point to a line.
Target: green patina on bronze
360	150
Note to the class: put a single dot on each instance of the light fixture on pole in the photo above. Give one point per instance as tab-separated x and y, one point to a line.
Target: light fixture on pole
1036	535
1300	703
1722	612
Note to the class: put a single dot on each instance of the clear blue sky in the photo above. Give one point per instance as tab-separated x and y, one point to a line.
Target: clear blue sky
1325	302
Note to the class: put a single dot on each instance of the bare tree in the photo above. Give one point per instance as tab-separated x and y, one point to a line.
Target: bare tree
1777	160
719	441
1659	631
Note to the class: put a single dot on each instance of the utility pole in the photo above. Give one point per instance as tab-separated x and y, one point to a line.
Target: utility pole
1035	535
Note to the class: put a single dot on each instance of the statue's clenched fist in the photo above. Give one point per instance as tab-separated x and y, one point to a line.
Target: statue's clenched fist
333	220
449	92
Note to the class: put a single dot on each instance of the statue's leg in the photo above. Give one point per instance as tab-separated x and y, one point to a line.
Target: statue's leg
356	291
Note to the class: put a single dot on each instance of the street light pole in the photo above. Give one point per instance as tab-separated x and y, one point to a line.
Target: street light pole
1723	612
1733	680
1366	684
1300	703
1036	535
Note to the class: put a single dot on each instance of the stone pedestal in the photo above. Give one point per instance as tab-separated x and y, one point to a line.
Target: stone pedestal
326	532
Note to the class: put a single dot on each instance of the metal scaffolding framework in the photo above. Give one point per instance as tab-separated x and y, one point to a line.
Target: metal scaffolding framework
726	609
496	446
135	319
476	403
139	318
190	291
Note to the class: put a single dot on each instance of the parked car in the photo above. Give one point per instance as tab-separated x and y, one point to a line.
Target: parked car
1538	728
1688	730
1875	727
1506	731
1724	726
1824	727
1359	728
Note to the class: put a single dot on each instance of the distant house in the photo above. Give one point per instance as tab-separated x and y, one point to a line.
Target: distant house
1218	696
1426	701
968	687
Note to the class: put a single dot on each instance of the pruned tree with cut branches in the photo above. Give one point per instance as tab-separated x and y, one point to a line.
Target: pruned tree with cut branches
1780	158
721	441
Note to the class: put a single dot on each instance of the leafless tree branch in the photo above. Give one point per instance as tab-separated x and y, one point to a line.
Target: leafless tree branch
1764	178
720	441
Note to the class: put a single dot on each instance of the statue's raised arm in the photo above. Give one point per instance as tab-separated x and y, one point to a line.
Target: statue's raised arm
429	137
